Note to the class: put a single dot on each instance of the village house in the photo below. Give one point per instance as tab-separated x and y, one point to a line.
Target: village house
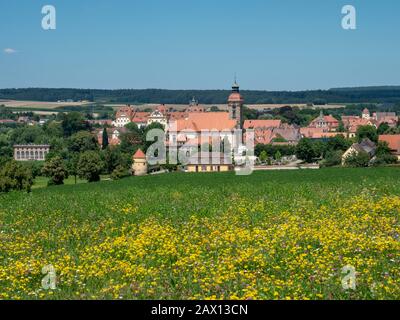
158	116
123	117
262	124
365	145
328	123
352	123
319	133
113	136
31	152
393	142
282	134
209	162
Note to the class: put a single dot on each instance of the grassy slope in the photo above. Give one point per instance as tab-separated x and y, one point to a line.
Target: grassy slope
57	211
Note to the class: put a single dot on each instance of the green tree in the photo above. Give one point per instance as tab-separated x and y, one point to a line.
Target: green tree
263	156
73	122
305	150
332	158
72	165
82	141
338	142
90	166
105	139
119	173
278	156
56	170
383	128
369	132
15	176
357	159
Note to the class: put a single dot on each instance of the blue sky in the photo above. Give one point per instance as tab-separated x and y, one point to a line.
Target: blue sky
193	44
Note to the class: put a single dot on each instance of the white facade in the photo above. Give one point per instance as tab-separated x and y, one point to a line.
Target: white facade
157	117
31	152
121	121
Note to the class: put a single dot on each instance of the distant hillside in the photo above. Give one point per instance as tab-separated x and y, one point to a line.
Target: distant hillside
385	94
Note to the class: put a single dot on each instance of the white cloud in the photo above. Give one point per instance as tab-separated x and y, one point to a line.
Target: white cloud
9	51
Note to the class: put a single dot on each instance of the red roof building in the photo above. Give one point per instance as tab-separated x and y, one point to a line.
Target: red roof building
394	143
139	155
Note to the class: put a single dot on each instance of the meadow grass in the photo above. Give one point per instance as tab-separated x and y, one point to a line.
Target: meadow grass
271	235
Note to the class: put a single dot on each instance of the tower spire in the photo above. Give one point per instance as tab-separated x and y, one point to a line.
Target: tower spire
235	86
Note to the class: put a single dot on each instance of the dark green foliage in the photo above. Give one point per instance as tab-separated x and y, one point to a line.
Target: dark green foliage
332	158
369	132
357	159
338	143
35	167
56	170
119	173
306	150
73	122
82	141
90	166
15	176
389	94
383	128
285	150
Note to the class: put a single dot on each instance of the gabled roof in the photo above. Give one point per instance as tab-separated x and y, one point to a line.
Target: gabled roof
366	145
139	155
393	141
204	121
252	124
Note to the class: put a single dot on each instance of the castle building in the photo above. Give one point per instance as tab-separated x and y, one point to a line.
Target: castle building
235	105
31	152
139	166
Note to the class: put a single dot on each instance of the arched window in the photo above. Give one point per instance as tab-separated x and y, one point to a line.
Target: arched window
18	155
41	155
36	155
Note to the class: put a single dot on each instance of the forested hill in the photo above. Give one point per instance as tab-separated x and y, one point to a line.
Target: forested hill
386	94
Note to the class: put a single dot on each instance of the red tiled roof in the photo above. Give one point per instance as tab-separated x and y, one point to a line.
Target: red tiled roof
393	141
139	155
253	124
205	121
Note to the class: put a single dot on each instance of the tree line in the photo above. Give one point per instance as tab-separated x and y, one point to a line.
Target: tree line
388	94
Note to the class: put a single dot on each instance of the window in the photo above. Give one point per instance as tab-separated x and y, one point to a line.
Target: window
18	155
203	168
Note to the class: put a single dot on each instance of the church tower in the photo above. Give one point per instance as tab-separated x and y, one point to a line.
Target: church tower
235	105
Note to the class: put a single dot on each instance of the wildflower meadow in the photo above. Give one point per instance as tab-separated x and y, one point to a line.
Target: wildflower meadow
270	235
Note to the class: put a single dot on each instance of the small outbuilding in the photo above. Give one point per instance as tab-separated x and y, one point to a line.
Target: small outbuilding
139	165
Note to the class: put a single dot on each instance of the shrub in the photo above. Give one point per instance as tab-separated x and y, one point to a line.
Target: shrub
90	166
119	173
15	176
332	158
56	170
357	159
384	159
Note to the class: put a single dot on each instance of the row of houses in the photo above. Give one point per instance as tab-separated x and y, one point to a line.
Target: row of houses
23	120
190	123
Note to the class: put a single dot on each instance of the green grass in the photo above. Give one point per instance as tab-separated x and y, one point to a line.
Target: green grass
41	182
134	238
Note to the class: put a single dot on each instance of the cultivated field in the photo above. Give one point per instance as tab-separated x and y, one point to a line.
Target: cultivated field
271	235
